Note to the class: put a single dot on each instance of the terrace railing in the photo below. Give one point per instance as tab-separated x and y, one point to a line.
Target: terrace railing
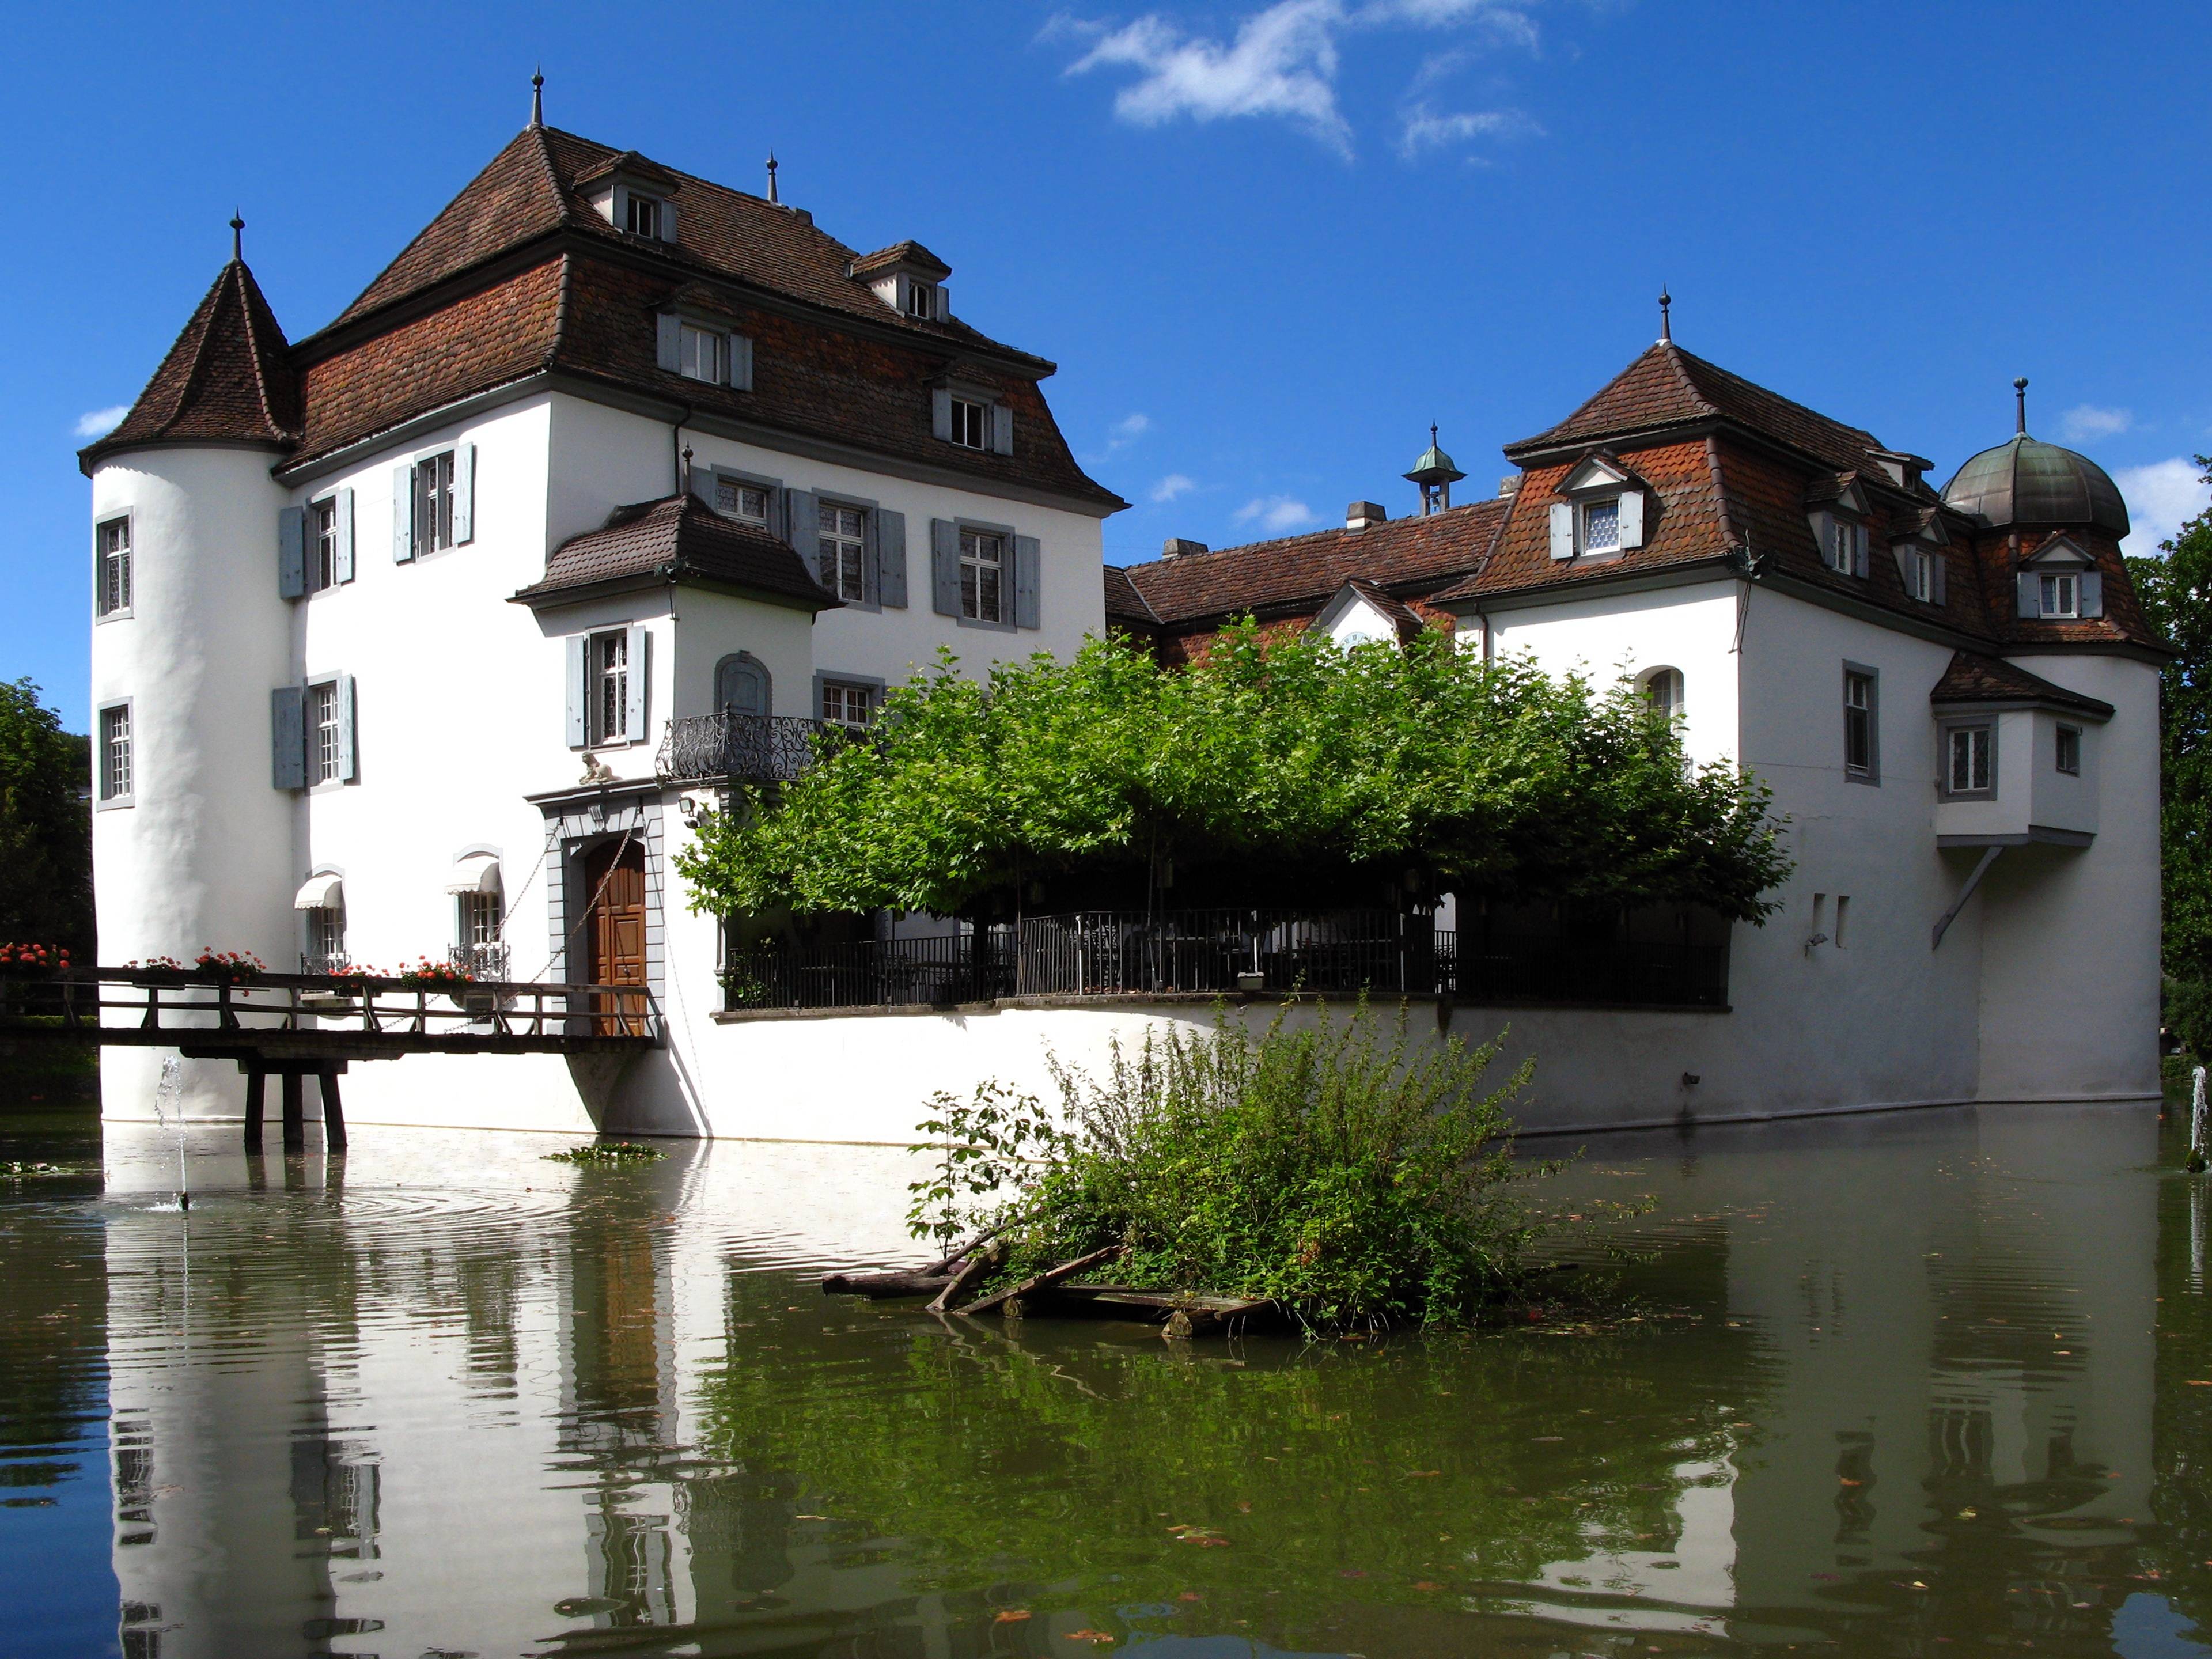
738	748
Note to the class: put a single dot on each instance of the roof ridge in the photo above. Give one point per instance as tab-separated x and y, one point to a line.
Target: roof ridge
1711	367
1183	560
248	292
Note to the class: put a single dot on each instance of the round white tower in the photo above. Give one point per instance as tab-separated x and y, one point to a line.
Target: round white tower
191	842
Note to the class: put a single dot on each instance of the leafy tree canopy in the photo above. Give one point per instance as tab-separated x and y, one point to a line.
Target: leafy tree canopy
1266	769
46	830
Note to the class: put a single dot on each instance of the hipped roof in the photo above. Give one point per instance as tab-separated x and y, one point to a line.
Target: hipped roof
678	540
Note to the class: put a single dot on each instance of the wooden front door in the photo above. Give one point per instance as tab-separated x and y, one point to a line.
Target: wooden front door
615	929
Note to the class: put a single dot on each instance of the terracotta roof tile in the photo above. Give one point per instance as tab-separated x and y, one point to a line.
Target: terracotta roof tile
226	379
1973	678
1123	602
679	539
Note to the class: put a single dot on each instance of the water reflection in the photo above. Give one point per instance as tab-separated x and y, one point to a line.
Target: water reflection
1901	1384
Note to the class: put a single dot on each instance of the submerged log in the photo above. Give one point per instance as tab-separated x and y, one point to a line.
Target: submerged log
1049	1277
913	1282
958	1286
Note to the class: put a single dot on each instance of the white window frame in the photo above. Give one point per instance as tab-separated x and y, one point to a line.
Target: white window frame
320	532
607	669
123	561
1847	541
703	354
2058	595
1959	741
834	546
975	567
921	299
477	918
971	422
1923	575
1586	516
327	934
322	716
431	528
2066	749
105	793
740	487
835	700
1671	681
644	216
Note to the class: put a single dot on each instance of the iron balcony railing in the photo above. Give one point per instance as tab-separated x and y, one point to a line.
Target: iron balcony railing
487	960
1110	953
739	748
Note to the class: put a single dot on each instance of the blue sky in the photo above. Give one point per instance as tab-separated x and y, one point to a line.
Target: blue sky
1266	243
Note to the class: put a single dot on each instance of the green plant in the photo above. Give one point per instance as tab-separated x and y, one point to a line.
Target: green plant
607	1151
992	1140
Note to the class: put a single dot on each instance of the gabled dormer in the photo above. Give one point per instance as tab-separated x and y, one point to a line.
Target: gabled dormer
1920	542
908	278
2060	582
633	195
1600	511
1837	508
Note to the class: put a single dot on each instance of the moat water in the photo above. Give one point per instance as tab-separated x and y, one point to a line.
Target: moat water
1927	1384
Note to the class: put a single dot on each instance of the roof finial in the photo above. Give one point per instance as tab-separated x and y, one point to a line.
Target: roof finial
1666	324
771	175
2020	401
683	487
538	96
237	237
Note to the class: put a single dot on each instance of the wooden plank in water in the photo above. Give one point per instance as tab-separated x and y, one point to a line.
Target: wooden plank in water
1050	1278
1163	1302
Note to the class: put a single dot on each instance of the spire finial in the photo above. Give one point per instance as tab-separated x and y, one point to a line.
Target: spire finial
771	175
684	487
237	237
1665	323
1432	434
538	96
2019	403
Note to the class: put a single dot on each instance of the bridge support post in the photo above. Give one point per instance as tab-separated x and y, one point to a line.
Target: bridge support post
295	1112
334	1131
255	1090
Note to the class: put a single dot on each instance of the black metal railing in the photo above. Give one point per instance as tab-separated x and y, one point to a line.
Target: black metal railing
740	748
1121	953
488	959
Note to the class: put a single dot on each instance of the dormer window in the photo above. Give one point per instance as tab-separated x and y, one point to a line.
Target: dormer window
2061	595
971	423
698	346
703	354
644	215
2061	583
1602	526
921	301
1602	513
972	417
1846	549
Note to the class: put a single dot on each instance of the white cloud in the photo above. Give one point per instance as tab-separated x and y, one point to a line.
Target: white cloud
101	422
1126	431
1426	130
2087	421
1281	61
2161	497
1173	485
1275	513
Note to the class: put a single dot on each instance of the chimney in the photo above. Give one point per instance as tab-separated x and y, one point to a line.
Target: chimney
1177	546
1359	515
1509	486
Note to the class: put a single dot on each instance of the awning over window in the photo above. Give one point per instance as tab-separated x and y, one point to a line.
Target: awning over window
321	893
475	872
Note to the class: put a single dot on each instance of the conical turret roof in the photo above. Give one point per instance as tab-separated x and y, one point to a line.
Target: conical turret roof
227	380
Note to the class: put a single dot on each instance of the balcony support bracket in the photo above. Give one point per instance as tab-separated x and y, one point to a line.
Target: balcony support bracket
1981	868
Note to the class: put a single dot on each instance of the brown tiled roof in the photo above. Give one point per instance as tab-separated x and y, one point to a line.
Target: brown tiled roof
227	379
1123	602
679	539
1303	572
908	253
1972	678
1402	617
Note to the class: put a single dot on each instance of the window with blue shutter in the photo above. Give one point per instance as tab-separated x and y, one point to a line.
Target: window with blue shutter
579	651
464	494
639	655
291	553
1028	575
287	738
891	558
403	514
348	761
944	567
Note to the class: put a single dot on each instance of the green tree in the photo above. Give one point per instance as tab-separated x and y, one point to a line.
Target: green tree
45	825
1270	767
2176	591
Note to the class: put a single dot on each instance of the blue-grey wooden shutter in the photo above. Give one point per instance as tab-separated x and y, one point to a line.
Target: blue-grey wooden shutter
741	363
671	346
802	528
403	514
291	553
1859	566
1002	428
342	565
2031	594
1562	529
579	647
891	558
288	738
1937	566
344	689
944	567
464	493
940	414
2092	602
640	682
1632	518
1029	559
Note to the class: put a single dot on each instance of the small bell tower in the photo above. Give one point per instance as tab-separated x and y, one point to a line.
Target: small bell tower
1436	474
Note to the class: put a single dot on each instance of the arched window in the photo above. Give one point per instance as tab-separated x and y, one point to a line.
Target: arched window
1662	688
741	685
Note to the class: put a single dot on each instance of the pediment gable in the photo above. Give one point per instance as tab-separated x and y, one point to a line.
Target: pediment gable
2061	552
1596	472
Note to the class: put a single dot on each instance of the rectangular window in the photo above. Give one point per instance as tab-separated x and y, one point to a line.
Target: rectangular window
1601	527
842	546
644	218
846	704
1921	572
921	299
982	575
971	424
1968	770
2062	595
1858	724
115	778
609	672
702	353
2069	751
1847	547
326	945
479	919
322	544
323	737
434	503
746	502
112	578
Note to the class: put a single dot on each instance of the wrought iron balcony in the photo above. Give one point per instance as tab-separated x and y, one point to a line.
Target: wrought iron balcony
487	961
739	748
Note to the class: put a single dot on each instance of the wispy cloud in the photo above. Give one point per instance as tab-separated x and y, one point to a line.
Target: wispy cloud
2161	497
101	422
1281	61
2087	421
1426	130
1275	513
1126	431
1173	485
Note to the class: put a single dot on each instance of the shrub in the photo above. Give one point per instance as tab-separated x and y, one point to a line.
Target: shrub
1332	1170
